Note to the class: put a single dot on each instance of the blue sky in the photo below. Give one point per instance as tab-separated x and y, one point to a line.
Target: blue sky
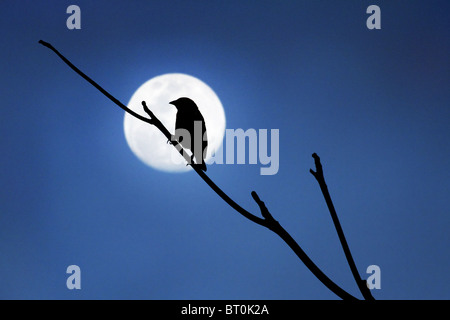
374	104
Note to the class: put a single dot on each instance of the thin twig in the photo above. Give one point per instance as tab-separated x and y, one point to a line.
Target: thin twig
318	174
106	93
267	221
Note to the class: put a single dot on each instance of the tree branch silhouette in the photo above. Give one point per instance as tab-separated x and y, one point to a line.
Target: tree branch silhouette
318	174
267	219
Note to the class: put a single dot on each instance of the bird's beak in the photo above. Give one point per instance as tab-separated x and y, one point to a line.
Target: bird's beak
173	103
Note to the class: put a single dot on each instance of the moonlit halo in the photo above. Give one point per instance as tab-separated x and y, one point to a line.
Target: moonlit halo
147	142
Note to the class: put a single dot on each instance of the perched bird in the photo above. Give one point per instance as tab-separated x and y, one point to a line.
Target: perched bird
191	120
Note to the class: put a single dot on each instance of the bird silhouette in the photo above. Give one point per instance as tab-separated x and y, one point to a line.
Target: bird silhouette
191	120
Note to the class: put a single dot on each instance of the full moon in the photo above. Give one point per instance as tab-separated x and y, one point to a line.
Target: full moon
147	142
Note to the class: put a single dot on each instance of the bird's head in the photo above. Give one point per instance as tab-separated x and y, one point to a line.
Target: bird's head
183	103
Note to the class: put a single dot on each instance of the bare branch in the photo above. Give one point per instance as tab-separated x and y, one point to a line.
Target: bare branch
318	174
267	221
84	76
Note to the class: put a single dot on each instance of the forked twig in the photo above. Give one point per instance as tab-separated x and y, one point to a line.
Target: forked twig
267	221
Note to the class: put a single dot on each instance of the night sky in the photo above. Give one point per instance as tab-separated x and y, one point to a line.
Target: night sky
373	104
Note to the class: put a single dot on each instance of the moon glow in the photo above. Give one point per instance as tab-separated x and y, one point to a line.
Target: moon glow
147	142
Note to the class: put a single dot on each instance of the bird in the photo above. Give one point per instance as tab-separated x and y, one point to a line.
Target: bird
190	118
